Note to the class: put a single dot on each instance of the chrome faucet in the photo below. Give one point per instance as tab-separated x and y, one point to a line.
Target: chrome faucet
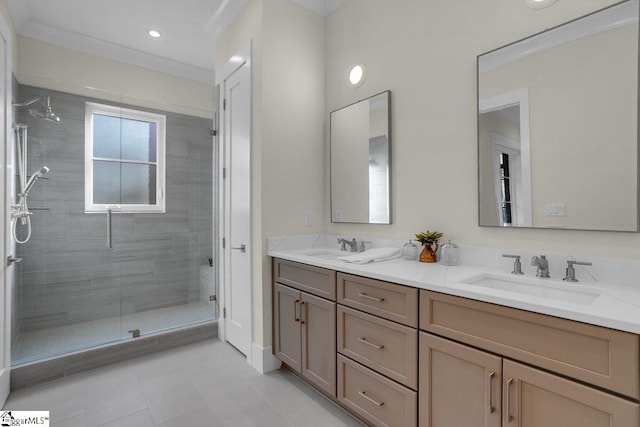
570	276
517	266
353	244
361	246
542	266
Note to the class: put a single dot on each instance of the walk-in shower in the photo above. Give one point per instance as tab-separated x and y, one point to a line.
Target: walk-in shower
73	291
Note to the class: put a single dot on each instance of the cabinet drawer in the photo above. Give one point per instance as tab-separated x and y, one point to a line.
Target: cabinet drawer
375	398
314	280
384	346
593	354
394	302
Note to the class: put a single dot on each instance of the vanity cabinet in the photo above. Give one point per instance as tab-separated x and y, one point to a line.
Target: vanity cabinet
378	350
531	396
304	326
600	356
459	385
395	355
496	391
535	398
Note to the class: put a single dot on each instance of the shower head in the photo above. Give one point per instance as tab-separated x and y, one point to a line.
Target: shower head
42	113
45	112
42	172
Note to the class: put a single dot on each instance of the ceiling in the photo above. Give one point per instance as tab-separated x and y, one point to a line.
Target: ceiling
117	29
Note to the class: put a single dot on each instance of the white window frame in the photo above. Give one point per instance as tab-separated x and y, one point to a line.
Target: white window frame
92	108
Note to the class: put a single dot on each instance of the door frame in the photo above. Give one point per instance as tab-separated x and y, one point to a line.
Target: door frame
5	216
240	59
518	97
502	144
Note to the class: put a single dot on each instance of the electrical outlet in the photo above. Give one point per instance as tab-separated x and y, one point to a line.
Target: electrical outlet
338	215
308	219
555	209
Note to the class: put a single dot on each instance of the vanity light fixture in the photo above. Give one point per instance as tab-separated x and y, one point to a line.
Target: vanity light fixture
357	75
539	4
154	33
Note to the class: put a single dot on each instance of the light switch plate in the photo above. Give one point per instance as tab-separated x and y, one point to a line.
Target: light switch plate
308	219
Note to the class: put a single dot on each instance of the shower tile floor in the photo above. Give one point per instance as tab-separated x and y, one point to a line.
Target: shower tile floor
42	343
204	384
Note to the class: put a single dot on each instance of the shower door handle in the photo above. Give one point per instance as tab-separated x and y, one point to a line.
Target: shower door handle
242	248
109	240
13	260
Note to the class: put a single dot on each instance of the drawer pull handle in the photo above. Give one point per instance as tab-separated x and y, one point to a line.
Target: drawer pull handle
364	341
375	402
363	295
492	408
295	311
509	416
303	313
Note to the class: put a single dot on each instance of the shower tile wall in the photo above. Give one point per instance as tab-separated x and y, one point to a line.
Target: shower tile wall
68	275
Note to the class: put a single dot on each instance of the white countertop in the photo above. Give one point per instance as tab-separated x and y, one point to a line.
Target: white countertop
615	306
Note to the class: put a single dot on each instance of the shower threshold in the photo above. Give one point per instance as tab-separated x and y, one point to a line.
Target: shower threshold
31	346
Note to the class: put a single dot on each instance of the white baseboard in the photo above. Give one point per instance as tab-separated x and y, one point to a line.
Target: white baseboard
263	360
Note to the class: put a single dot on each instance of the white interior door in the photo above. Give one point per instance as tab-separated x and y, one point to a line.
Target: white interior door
5	218
237	311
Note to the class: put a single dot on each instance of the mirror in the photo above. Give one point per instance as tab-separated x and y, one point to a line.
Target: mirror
557	126
361	161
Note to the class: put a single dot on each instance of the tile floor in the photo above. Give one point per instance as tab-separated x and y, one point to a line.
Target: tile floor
203	384
41	343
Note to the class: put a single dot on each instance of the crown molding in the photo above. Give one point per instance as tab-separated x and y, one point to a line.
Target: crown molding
321	7
613	17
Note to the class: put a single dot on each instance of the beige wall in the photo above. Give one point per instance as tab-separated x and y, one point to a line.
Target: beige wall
54	67
425	53
288	132
583	133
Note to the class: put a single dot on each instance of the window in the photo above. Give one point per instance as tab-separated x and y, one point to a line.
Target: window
124	159
505	189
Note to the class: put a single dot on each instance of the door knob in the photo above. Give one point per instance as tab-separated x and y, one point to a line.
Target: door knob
242	248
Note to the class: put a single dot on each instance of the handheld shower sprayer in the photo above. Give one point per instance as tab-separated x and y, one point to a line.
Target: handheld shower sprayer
20	210
42	172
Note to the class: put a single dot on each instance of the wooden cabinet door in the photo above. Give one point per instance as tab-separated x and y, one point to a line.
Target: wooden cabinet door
459	385
534	398
287	338
318	321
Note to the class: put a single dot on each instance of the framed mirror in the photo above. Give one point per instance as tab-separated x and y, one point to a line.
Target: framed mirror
558	126
361	161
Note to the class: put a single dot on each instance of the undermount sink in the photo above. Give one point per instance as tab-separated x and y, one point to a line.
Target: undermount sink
541	288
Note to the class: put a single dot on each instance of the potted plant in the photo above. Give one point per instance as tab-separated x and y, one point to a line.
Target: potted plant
428	239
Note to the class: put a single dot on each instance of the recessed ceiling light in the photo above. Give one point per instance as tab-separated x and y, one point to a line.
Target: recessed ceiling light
154	33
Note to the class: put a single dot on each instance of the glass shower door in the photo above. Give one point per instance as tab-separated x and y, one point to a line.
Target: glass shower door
75	292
